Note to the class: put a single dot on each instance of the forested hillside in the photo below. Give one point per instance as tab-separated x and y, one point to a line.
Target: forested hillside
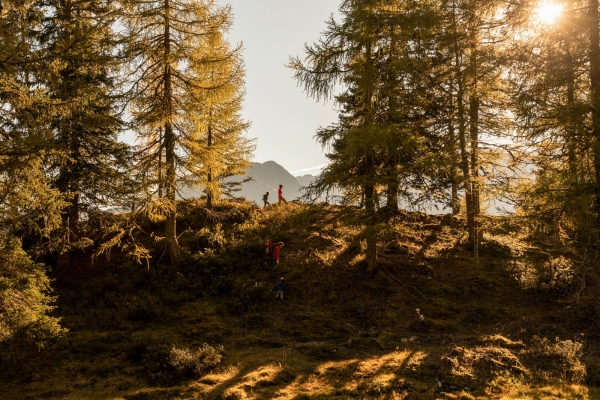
456	103
430	323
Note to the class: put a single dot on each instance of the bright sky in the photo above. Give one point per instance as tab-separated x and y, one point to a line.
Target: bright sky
284	120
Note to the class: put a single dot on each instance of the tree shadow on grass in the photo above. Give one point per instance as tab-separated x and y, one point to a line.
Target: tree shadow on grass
302	378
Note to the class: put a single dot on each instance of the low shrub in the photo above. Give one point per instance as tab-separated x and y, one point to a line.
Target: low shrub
25	298
170	364
193	364
562	357
245	296
320	352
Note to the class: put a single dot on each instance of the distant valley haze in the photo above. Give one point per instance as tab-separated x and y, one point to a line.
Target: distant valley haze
269	175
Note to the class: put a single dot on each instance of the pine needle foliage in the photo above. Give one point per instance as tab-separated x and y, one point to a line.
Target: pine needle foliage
551	100
217	146
77	73
29	205
24	297
171	45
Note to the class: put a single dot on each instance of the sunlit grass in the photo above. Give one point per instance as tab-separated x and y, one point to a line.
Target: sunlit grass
548	12
263	374
516	390
334	365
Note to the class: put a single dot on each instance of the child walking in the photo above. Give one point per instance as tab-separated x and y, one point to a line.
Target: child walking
280	288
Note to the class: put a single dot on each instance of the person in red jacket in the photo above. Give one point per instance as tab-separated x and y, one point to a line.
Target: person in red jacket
280	195
268	252
275	255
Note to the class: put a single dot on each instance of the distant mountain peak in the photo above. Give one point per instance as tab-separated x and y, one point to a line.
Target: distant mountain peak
266	176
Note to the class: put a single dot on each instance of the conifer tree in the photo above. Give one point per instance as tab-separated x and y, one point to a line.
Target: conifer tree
347	55
28	204
427	74
78	74
166	46
217	146
376	142
551	83
472	43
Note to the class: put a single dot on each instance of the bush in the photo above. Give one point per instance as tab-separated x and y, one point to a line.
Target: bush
246	296
562	354
493	248
171	364
24	299
189	364
557	274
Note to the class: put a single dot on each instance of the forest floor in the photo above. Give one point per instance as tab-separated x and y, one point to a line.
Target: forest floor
431	323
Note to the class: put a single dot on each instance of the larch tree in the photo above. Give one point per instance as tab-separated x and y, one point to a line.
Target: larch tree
217	146
556	96
167	42
550	82
347	55
375	145
472	43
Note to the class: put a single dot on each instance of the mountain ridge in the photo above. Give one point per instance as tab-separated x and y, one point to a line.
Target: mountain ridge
265	176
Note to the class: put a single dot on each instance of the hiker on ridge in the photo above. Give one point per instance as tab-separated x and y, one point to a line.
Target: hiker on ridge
266	199
280	195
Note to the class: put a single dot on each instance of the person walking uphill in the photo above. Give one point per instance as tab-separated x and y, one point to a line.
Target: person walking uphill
280	195
275	255
269	251
280	288
266	199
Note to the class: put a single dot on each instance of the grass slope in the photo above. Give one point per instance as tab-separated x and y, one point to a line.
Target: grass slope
430	324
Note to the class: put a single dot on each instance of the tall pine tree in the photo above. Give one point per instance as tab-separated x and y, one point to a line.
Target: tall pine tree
78	74
217	146
169	42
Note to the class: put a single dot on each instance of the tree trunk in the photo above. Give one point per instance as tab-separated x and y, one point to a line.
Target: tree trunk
466	171
370	166
66	182
571	134
209	177
392	193
595	94
170	228
454	175
393	186
454	164
474	136
68	185
371	237
160	163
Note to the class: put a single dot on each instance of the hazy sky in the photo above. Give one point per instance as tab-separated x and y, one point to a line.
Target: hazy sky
284	120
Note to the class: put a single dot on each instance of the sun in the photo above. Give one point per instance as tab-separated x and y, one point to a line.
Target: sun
548	12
